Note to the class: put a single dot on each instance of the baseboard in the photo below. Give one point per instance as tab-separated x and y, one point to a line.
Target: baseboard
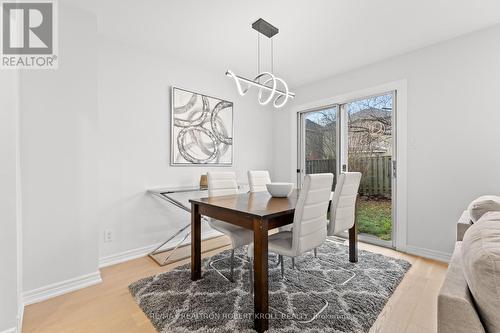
124	256
19	327
60	288
20	317
430	254
11	330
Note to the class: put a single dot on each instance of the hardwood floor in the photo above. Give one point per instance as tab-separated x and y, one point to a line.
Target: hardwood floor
109	307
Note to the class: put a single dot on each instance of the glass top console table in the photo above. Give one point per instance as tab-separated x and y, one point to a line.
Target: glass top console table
179	197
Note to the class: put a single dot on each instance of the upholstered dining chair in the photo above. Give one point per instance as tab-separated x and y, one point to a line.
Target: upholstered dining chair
309	228
219	184
343	210
257	180
343	206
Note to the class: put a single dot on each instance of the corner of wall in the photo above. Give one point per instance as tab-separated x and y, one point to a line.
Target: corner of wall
20	316
19	215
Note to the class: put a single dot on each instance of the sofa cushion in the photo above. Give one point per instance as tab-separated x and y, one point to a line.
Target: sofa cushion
481	265
483	204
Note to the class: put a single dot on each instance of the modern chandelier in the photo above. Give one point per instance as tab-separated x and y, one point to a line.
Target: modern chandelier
265	81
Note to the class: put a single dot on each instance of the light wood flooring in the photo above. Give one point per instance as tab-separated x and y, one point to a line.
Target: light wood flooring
109	307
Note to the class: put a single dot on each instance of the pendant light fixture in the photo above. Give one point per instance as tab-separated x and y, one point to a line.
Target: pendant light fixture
266	82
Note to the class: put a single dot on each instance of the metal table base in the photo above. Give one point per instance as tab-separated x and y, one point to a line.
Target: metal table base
166	195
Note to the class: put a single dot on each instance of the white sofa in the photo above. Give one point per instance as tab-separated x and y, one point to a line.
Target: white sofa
469	300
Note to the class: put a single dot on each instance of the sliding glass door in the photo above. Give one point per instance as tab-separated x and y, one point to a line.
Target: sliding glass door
368	148
356	136
318	142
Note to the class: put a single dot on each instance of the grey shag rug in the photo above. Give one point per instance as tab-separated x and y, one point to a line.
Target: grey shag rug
327	294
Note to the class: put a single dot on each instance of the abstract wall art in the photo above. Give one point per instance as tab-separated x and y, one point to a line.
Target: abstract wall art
201	128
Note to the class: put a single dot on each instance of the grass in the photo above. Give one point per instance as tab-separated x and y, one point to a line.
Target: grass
374	217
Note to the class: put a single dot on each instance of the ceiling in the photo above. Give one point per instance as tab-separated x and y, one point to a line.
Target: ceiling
317	39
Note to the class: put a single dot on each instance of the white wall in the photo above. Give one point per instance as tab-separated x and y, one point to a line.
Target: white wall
453	122
95	135
59	158
9	200
134	139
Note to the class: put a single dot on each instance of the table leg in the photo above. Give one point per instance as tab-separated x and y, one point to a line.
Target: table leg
353	244
195	242
261	293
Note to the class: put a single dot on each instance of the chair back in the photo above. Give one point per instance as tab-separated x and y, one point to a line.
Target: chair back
257	180
310	222
343	206
222	183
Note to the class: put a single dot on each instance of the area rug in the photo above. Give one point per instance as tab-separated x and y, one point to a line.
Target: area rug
323	294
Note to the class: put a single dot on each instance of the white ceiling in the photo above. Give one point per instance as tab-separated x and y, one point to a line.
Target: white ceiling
317	39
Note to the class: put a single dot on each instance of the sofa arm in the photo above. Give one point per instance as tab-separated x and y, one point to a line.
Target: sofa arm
456	315
464	223
456	310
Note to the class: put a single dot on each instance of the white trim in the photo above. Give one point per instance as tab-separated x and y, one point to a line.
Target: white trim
19	211
60	288
120	257
401	145
140	252
402	165
20	317
430	254
11	330
19	325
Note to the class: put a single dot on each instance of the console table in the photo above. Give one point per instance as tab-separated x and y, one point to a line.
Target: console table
179	197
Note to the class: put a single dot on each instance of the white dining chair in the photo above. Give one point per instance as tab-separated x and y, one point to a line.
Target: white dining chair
219	184
343	206
257	180
342	212
309	228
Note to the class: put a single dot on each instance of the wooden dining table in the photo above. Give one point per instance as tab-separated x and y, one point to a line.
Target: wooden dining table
259	212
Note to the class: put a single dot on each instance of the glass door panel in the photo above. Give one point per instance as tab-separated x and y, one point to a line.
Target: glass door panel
368	148
318	142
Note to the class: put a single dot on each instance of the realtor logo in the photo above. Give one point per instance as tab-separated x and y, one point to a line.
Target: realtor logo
29	34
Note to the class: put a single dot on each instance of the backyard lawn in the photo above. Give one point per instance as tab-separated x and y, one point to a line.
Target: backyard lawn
374	217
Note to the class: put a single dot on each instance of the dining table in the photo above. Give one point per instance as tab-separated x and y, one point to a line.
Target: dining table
259	212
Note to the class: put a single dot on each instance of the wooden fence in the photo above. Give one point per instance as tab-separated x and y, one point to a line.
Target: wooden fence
376	180
321	166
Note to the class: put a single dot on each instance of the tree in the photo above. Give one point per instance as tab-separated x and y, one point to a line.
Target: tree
370	131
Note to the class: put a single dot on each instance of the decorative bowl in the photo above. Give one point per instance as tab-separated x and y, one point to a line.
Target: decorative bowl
280	190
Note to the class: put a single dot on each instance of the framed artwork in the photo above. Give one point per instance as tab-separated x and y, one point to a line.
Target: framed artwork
201	129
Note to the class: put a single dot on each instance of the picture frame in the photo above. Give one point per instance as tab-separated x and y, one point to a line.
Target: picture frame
201	128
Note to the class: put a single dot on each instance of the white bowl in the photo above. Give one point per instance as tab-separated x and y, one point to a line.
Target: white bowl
280	190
